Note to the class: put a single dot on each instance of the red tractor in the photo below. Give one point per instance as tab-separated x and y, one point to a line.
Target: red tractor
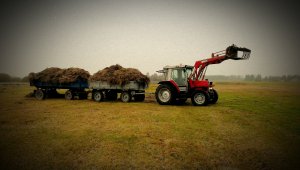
183	82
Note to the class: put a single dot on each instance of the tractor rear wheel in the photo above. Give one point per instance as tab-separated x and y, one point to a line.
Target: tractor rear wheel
164	94
200	98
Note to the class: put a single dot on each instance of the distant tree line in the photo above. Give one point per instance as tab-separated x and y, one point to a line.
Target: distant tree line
156	77
7	78
284	78
224	78
159	77
249	77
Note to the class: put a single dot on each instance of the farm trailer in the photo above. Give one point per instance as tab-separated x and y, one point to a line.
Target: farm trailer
100	90
104	90
47	89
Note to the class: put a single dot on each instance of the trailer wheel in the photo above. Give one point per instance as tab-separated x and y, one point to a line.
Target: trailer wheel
200	98
139	97
214	96
126	97
98	96
164	94
69	95
39	94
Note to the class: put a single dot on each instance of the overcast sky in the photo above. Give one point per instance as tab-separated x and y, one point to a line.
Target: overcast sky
148	34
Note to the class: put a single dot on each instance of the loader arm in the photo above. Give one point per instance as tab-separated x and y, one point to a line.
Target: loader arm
232	52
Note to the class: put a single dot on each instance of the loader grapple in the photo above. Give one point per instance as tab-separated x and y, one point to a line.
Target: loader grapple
233	52
238	53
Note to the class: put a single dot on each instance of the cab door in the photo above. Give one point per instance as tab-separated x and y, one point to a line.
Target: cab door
180	77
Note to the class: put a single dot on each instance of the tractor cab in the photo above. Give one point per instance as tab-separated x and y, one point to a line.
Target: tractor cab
178	75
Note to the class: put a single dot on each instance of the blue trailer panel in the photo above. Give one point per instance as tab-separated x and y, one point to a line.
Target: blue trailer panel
73	85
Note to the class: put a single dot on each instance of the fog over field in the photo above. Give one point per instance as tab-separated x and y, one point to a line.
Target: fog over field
148	35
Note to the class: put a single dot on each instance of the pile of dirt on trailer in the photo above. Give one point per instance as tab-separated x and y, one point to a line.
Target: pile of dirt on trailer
58	75
116	74
49	75
72	74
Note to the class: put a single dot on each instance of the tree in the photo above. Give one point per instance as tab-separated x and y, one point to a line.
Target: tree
258	77
25	79
249	77
155	77
4	77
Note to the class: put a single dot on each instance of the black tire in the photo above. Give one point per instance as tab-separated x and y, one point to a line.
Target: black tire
40	94
213	96
111	95
164	94
139	97
98	96
200	98
126	96
69	95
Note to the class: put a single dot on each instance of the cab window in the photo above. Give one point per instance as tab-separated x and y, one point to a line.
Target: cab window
179	76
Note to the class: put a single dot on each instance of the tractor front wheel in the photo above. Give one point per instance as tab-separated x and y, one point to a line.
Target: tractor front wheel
200	98
164	94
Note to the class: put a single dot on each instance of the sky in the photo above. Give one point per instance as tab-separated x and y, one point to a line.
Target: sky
148	35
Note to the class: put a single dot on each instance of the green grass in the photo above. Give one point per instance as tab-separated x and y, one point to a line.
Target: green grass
253	126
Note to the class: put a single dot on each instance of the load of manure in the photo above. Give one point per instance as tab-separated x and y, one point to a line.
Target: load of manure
116	74
72	74
58	75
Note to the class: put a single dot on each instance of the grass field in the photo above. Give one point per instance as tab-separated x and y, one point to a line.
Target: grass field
253	126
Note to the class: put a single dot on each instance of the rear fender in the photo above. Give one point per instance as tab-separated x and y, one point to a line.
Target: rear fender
171	83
